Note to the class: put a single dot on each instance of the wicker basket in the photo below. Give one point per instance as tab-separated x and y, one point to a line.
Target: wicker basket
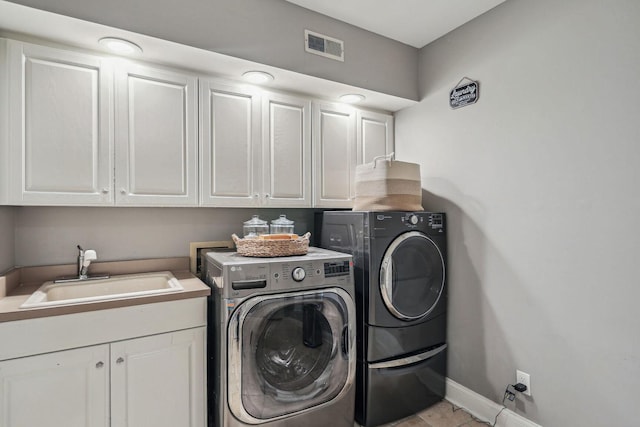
272	248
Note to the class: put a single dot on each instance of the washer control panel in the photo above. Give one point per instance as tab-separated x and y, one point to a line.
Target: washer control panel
310	273
236	276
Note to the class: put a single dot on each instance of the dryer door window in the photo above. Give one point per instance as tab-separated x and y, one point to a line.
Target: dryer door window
412	276
289	353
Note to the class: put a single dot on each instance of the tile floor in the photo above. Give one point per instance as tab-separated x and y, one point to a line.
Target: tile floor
443	414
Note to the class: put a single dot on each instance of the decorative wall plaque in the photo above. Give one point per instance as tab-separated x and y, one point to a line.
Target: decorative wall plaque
464	94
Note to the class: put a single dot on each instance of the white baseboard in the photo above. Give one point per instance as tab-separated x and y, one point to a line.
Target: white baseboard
483	408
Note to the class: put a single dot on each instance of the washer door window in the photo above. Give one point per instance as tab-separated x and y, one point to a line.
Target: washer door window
411	276
288	353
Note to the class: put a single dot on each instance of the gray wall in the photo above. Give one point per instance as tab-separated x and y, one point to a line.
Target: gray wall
540	181
7	258
49	235
265	31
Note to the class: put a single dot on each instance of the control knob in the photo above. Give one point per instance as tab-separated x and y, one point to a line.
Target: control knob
413	219
298	274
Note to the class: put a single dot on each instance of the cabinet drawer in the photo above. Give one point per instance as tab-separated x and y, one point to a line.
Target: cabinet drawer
46	334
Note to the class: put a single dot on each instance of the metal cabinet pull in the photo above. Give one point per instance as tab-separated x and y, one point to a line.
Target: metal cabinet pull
119	360
99	365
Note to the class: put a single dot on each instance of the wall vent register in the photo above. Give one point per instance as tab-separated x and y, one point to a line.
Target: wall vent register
322	45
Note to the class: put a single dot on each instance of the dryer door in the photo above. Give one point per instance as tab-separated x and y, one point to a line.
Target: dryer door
289	353
412	275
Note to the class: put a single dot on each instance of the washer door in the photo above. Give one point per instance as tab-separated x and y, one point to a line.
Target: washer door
289	353
412	276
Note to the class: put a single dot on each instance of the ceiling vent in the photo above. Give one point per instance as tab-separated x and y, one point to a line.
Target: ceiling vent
322	45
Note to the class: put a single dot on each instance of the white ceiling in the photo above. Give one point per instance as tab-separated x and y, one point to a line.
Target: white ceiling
412	22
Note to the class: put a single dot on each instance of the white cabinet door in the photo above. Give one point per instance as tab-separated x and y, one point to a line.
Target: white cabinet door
374	135
159	381
60	138
335	152
156	137
62	389
286	149
230	155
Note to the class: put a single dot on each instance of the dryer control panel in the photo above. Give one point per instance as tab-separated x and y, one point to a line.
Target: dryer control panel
428	222
433	221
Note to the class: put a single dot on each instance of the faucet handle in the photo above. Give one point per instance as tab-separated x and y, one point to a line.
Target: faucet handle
80	249
90	255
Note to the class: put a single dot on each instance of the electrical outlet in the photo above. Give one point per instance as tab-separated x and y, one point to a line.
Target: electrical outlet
523	378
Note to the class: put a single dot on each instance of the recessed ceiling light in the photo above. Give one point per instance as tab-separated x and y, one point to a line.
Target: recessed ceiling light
257	77
121	46
352	98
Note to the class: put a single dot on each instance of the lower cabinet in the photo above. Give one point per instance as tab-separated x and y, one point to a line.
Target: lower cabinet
66	388
157	381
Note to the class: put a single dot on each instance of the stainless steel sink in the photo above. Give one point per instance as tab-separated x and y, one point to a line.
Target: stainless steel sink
116	287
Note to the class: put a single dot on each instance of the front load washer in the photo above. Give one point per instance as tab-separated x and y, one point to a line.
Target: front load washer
281	340
401	305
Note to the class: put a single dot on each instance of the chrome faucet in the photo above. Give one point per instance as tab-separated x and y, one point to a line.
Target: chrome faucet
84	260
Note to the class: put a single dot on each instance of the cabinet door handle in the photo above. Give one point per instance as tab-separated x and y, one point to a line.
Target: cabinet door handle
119	360
256	195
123	191
99	365
267	196
105	190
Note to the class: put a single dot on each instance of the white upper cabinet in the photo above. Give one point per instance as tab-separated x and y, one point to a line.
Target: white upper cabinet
85	130
343	138
286	151
335	153
229	145
255	150
156	137
374	135
58	143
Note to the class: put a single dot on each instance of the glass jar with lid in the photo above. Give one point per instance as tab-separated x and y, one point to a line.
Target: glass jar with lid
255	227
282	225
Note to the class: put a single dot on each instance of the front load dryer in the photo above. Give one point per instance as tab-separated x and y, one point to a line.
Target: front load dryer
401	308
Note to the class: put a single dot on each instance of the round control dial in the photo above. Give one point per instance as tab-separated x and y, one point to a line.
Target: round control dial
298	274
413	219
